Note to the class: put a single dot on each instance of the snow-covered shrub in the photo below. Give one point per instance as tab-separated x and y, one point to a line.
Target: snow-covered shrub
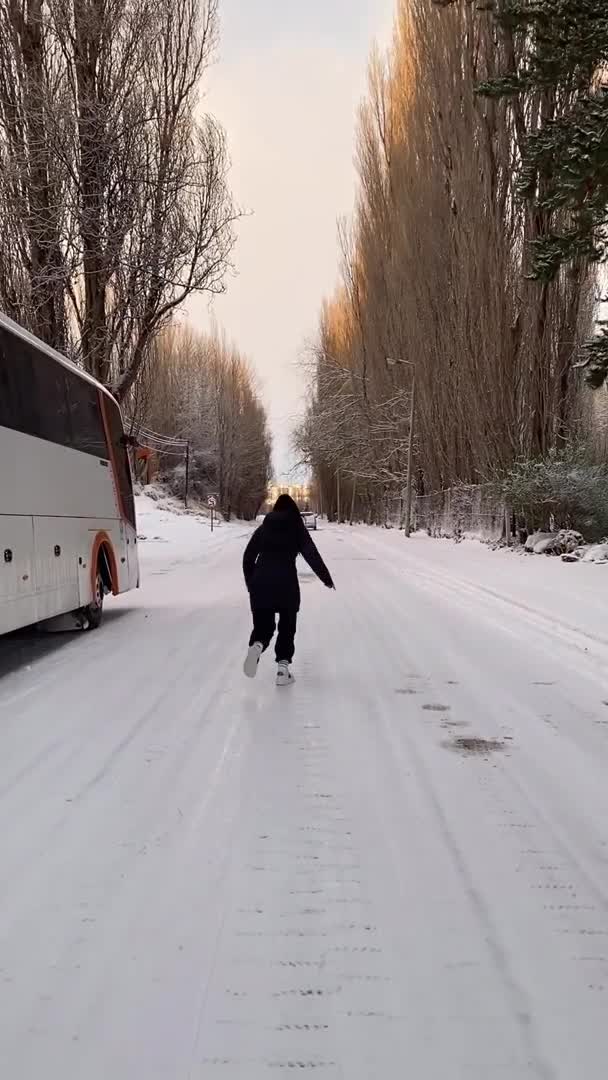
568	540
546	546
575	556
598	553
536	538
174	479
558	543
562	491
564	542
155	492
202	479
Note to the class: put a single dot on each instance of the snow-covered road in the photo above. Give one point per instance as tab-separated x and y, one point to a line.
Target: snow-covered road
396	868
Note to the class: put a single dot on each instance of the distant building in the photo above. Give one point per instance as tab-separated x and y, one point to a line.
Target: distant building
299	492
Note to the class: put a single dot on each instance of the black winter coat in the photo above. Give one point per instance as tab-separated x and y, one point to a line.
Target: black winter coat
269	562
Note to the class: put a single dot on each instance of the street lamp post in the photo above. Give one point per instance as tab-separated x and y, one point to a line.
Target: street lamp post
392	362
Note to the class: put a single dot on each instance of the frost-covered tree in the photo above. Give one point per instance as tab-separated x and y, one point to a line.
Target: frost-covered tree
200	388
437	270
114	197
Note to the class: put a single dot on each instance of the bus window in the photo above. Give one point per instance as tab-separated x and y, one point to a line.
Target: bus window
42	398
16	377
121	458
49	393
33	393
85	418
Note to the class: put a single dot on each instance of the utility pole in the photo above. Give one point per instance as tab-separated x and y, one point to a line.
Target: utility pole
410	454
338	493
392	362
187	485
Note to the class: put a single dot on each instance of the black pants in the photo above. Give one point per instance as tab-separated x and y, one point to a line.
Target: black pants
264	626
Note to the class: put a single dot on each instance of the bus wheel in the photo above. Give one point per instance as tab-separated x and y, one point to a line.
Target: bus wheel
93	612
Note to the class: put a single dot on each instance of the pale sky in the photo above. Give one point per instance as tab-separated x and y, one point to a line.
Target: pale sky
286	87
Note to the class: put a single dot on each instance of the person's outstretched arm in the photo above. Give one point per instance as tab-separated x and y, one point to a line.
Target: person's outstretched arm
308	551
250	557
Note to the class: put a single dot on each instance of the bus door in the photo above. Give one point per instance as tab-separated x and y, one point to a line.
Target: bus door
56	546
17	582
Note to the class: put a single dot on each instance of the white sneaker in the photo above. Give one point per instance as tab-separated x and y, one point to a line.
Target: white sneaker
284	676
252	659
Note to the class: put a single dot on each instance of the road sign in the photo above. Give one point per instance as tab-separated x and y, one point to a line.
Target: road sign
212	501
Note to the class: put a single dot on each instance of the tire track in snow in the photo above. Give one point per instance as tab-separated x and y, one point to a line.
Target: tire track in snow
409	733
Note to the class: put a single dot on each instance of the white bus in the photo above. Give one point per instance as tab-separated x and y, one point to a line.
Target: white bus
67	516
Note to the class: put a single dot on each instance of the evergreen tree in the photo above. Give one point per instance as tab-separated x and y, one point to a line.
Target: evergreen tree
554	56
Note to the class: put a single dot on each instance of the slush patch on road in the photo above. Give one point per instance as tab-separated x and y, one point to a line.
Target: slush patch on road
436	708
471	744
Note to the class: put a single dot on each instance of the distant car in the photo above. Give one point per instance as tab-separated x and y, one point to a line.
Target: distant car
310	519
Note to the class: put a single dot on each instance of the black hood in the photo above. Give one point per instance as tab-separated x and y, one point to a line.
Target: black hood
285	504
280	521
280	529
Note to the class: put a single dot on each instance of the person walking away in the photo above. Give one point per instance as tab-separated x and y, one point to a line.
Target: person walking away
269	566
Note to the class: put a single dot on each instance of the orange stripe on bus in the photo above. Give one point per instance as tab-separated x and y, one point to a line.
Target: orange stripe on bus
103	540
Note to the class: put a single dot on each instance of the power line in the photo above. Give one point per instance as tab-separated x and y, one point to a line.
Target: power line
153	440
164	446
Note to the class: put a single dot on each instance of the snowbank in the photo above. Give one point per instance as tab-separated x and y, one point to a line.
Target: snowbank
569	598
563	542
569	545
598	553
157	494
167	532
